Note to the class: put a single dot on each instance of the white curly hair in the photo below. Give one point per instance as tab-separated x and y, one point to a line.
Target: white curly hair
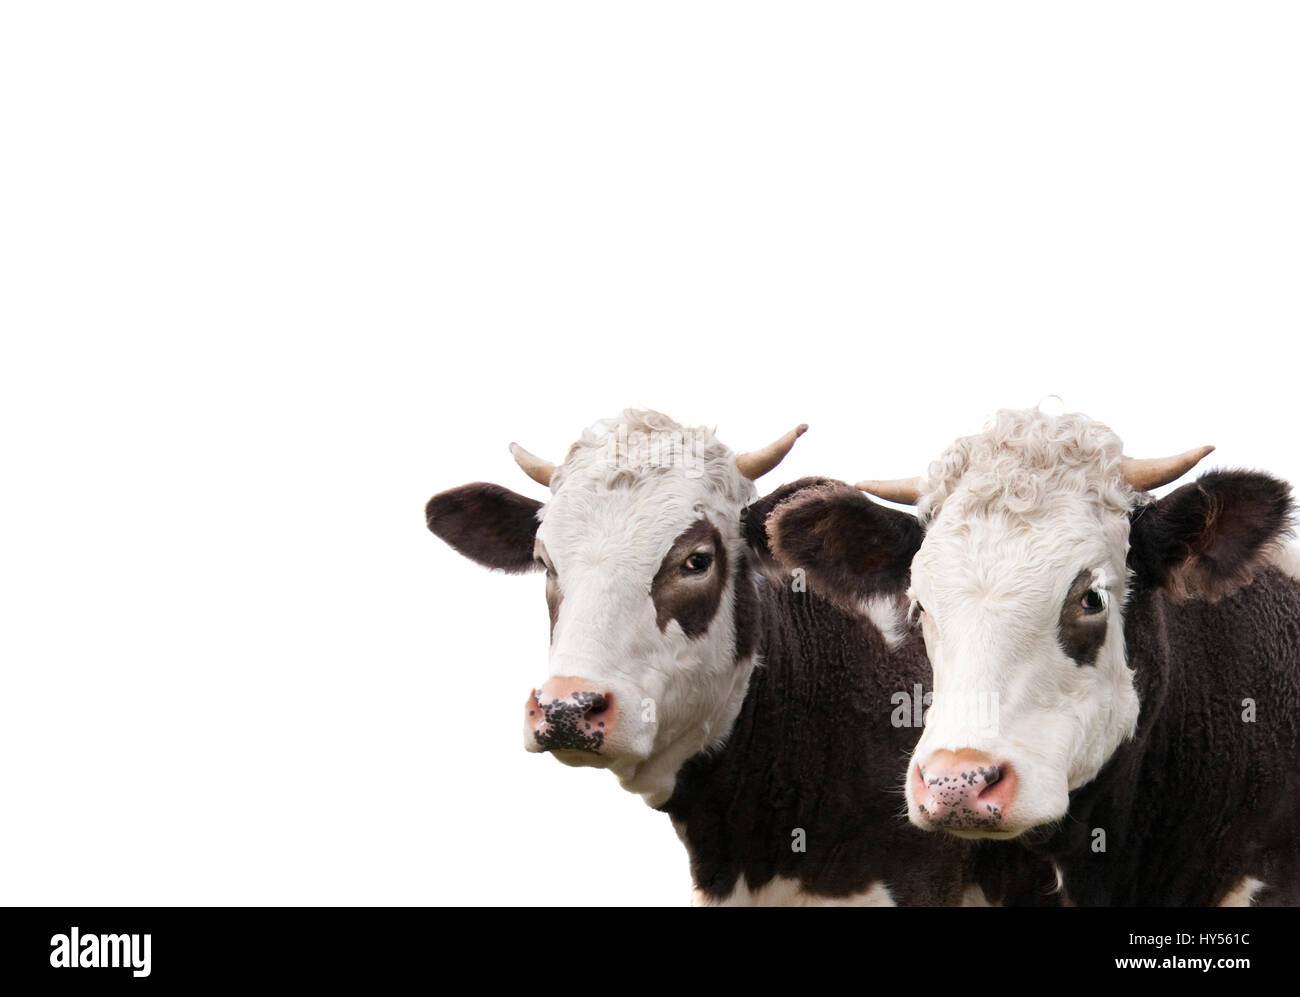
640	443
1022	459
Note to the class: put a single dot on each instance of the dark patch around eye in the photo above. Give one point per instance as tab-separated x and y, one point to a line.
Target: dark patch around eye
1081	633
692	598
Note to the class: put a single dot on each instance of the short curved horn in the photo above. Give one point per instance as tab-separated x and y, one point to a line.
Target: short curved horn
757	463
1146	473
536	468
904	490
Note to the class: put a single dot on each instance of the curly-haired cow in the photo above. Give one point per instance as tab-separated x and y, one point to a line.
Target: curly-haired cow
1142	656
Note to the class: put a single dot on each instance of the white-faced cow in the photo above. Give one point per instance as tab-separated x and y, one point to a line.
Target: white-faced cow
1142	658
755	715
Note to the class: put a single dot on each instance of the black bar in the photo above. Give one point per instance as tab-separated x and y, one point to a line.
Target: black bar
385	946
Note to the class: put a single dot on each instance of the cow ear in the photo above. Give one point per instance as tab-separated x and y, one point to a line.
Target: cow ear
753	521
1208	538
848	547
487	523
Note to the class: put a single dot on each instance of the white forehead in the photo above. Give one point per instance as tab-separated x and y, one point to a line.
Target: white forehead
633	483
1030	498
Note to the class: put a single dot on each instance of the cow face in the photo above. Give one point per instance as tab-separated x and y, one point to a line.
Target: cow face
1036	533
1019	586
649	587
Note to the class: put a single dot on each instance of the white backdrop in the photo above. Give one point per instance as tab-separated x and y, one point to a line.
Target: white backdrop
273	274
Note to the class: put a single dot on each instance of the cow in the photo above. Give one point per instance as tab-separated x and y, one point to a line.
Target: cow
755	714
1141	655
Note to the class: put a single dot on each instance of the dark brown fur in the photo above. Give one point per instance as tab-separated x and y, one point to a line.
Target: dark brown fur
814	749
487	523
1205	539
848	546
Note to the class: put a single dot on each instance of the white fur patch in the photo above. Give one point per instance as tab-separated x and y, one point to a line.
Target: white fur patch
1243	894
781	892
1287	557
886	615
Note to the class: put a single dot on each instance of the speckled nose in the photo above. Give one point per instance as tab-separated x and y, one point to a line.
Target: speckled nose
570	714
963	790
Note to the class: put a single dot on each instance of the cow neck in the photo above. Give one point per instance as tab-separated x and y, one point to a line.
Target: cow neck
786	621
812	752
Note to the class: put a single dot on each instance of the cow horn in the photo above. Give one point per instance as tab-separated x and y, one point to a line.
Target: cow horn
536	468
904	490
1146	473
756	463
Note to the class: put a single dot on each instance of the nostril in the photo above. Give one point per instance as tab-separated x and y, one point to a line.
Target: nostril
597	704
1000	784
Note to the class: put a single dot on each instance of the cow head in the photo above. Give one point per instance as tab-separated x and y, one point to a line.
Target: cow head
648	583
1037	531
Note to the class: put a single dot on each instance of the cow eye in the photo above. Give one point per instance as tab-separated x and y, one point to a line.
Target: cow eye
697	564
1092	602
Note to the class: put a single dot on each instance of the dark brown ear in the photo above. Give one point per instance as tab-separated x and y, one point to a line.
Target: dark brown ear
487	523
849	547
753	521
1208	538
